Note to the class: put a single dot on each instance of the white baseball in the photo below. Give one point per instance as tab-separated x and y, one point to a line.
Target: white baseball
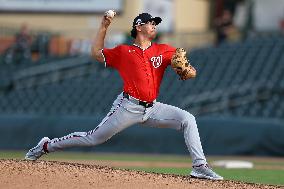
110	13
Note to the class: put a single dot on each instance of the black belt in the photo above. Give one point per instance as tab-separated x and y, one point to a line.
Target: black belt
138	102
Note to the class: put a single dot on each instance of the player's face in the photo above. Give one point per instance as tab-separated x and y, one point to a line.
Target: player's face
149	29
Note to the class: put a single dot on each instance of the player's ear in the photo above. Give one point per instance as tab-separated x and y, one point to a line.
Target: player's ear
139	28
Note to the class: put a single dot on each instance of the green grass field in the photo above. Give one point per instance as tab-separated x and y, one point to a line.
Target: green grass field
266	171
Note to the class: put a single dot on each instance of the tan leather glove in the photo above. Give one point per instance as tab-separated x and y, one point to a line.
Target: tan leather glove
181	65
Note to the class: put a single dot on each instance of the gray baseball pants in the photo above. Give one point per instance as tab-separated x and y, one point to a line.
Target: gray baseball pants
125	113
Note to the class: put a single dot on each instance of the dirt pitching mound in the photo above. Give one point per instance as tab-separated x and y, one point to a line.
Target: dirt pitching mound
50	174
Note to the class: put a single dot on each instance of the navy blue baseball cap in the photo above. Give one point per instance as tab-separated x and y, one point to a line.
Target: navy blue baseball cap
143	18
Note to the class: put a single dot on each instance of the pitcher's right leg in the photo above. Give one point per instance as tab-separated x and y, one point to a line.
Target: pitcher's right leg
117	119
113	123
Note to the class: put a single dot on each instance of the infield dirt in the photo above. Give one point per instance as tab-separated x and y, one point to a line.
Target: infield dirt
50	174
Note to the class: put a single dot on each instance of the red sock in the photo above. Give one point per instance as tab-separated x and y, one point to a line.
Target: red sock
45	147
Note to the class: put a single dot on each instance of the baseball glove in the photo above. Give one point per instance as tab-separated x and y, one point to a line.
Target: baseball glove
181	65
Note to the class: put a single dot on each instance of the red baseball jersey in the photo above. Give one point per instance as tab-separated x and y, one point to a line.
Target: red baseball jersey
141	70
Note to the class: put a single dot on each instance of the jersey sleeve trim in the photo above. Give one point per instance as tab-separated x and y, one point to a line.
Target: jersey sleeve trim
102	51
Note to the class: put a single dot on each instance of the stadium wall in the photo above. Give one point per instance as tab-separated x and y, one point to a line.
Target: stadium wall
189	16
220	136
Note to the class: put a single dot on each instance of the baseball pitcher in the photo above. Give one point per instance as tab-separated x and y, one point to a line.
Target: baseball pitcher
141	67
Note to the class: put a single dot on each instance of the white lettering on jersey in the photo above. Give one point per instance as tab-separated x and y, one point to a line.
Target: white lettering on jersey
157	61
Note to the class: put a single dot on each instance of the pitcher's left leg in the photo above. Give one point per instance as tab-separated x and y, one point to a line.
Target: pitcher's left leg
167	116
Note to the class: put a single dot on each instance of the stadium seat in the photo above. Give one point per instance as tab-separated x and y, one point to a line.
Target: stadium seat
241	70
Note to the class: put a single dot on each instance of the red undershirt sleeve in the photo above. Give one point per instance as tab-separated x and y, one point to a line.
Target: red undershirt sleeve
169	52
112	57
